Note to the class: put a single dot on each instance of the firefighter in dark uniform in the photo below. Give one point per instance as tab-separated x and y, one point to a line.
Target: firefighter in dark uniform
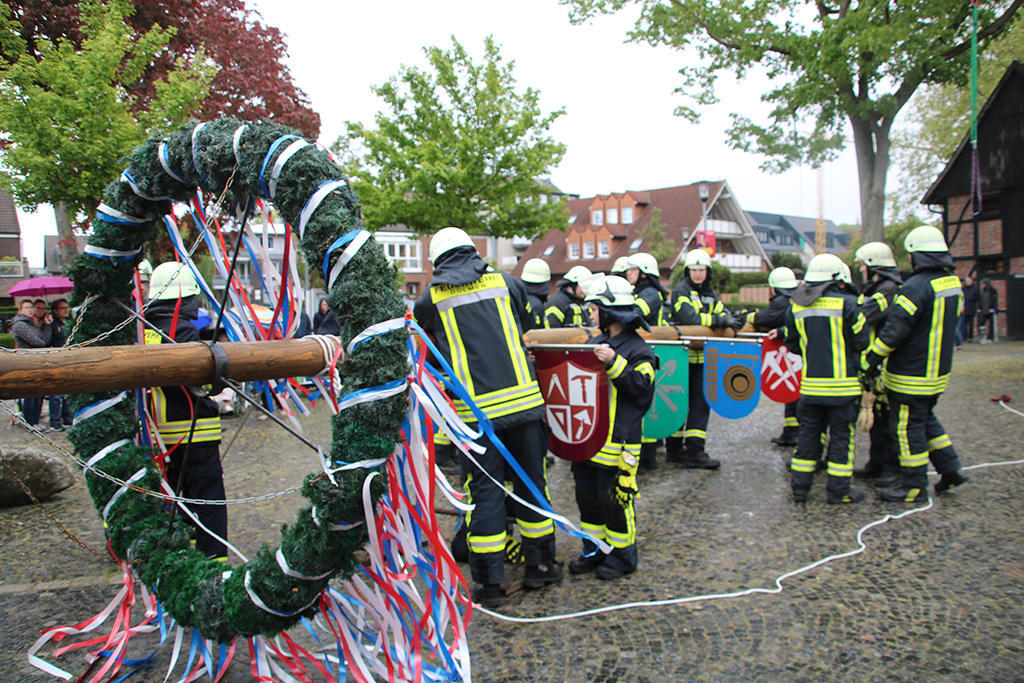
536	276
620	266
475	317
881	282
643	273
193	467
782	280
694	302
606	483
918	339
831	333
564	307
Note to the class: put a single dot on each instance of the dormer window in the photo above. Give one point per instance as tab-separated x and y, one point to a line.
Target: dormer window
588	250
597	217
574	250
613	216
627	215
636	243
549	250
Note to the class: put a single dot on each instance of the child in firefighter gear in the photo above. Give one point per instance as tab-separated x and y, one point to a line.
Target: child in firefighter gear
474	315
606	483
881	282
694	302
916	342
831	333
564	308
187	420
642	272
536	276
782	280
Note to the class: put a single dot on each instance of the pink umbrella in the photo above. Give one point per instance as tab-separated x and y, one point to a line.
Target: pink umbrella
41	286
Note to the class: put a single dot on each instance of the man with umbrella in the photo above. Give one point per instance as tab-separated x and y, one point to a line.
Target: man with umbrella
31	331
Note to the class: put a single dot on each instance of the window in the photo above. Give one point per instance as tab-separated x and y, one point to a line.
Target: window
627	215
613	216
572	219
413	288
549	250
543	199
597	217
588	250
574	250
636	243
602	248
406	253
270	241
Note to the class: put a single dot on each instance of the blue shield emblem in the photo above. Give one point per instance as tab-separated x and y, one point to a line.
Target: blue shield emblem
732	373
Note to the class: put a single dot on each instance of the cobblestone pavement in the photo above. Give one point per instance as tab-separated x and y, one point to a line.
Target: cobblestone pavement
937	595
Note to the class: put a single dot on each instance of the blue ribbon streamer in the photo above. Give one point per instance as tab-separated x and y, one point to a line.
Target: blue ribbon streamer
338	243
266	161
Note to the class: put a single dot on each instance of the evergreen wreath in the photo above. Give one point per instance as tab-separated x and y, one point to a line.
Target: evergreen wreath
239	161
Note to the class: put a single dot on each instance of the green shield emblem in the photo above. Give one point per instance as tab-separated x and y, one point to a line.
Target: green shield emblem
668	411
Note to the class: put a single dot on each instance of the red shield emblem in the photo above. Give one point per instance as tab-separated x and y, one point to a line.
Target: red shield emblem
780	372
575	388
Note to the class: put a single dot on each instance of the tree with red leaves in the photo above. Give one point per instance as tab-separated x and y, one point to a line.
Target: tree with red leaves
252	82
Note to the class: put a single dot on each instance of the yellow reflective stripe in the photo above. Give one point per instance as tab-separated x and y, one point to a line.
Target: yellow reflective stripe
913	385
460	359
596	530
906	304
798	465
697	356
642	305
914	459
939	442
610	454
535	529
456	295
838	346
512	341
844	469
947	286
791	422
882	302
858	324
830	386
902	441
699	433
935	338
618	366
647	370
555	311
880	347
705	319
502	409
487	544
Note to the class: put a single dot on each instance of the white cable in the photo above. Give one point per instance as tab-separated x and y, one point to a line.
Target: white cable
1010	409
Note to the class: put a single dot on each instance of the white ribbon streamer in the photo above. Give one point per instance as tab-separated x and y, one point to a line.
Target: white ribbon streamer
282	159
350	251
314	202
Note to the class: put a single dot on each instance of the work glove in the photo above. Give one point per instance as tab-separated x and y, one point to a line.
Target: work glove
725	320
513	550
870	369
625	486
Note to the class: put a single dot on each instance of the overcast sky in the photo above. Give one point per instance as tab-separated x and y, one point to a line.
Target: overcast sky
618	97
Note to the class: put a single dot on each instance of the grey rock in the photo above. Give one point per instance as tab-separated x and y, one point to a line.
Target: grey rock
42	473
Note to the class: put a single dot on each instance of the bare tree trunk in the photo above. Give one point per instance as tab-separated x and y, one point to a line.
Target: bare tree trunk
871	143
66	242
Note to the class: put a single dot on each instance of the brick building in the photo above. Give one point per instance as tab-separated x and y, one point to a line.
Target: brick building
990	243
13	267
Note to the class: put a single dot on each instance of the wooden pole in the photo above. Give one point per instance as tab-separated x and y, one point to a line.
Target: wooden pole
51	372
579	335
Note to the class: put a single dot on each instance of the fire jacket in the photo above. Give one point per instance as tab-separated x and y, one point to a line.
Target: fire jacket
563	309
832	333
536	293
920	330
693	305
651	301
775	315
173	406
631	391
475	317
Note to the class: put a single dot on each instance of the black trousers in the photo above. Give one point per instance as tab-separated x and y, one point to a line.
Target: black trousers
695	430
790	421
920	437
883	456
815	419
487	522
203	478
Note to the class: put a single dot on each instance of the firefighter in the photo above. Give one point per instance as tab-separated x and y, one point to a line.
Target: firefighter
187	419
606	483
475	317
831	333
916	342
620	266
536	276
881	282
564	307
782	280
694	302
642	272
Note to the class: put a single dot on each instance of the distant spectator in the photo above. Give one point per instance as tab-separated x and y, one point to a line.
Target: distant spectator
31	330
989	307
305	327
60	410
324	321
972	297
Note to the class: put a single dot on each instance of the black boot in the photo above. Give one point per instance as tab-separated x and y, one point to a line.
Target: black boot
852	496
618	563
542	575
489	595
888	480
586	563
674	449
904	494
700	461
786	439
869	471
950	480
649	456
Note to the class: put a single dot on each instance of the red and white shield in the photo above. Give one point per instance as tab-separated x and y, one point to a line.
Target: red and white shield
780	372
575	388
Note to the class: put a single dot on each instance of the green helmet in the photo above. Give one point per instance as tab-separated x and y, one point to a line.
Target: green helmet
824	268
925	238
172	280
610	290
875	254
782	278
536	271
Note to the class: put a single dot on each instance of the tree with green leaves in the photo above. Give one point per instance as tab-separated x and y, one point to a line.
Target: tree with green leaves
787	259
832	64
457	144
657	242
938	118
66	116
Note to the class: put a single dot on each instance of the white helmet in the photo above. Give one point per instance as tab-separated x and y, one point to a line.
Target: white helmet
824	268
611	290
874	254
578	274
782	278
697	258
925	238
645	262
536	270
844	273
447	239
621	265
172	280
145	269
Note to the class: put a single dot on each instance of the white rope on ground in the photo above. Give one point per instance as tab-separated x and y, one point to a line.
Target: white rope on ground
1003	404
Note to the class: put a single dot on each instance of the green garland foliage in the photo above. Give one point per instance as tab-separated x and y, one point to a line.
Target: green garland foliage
191	586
